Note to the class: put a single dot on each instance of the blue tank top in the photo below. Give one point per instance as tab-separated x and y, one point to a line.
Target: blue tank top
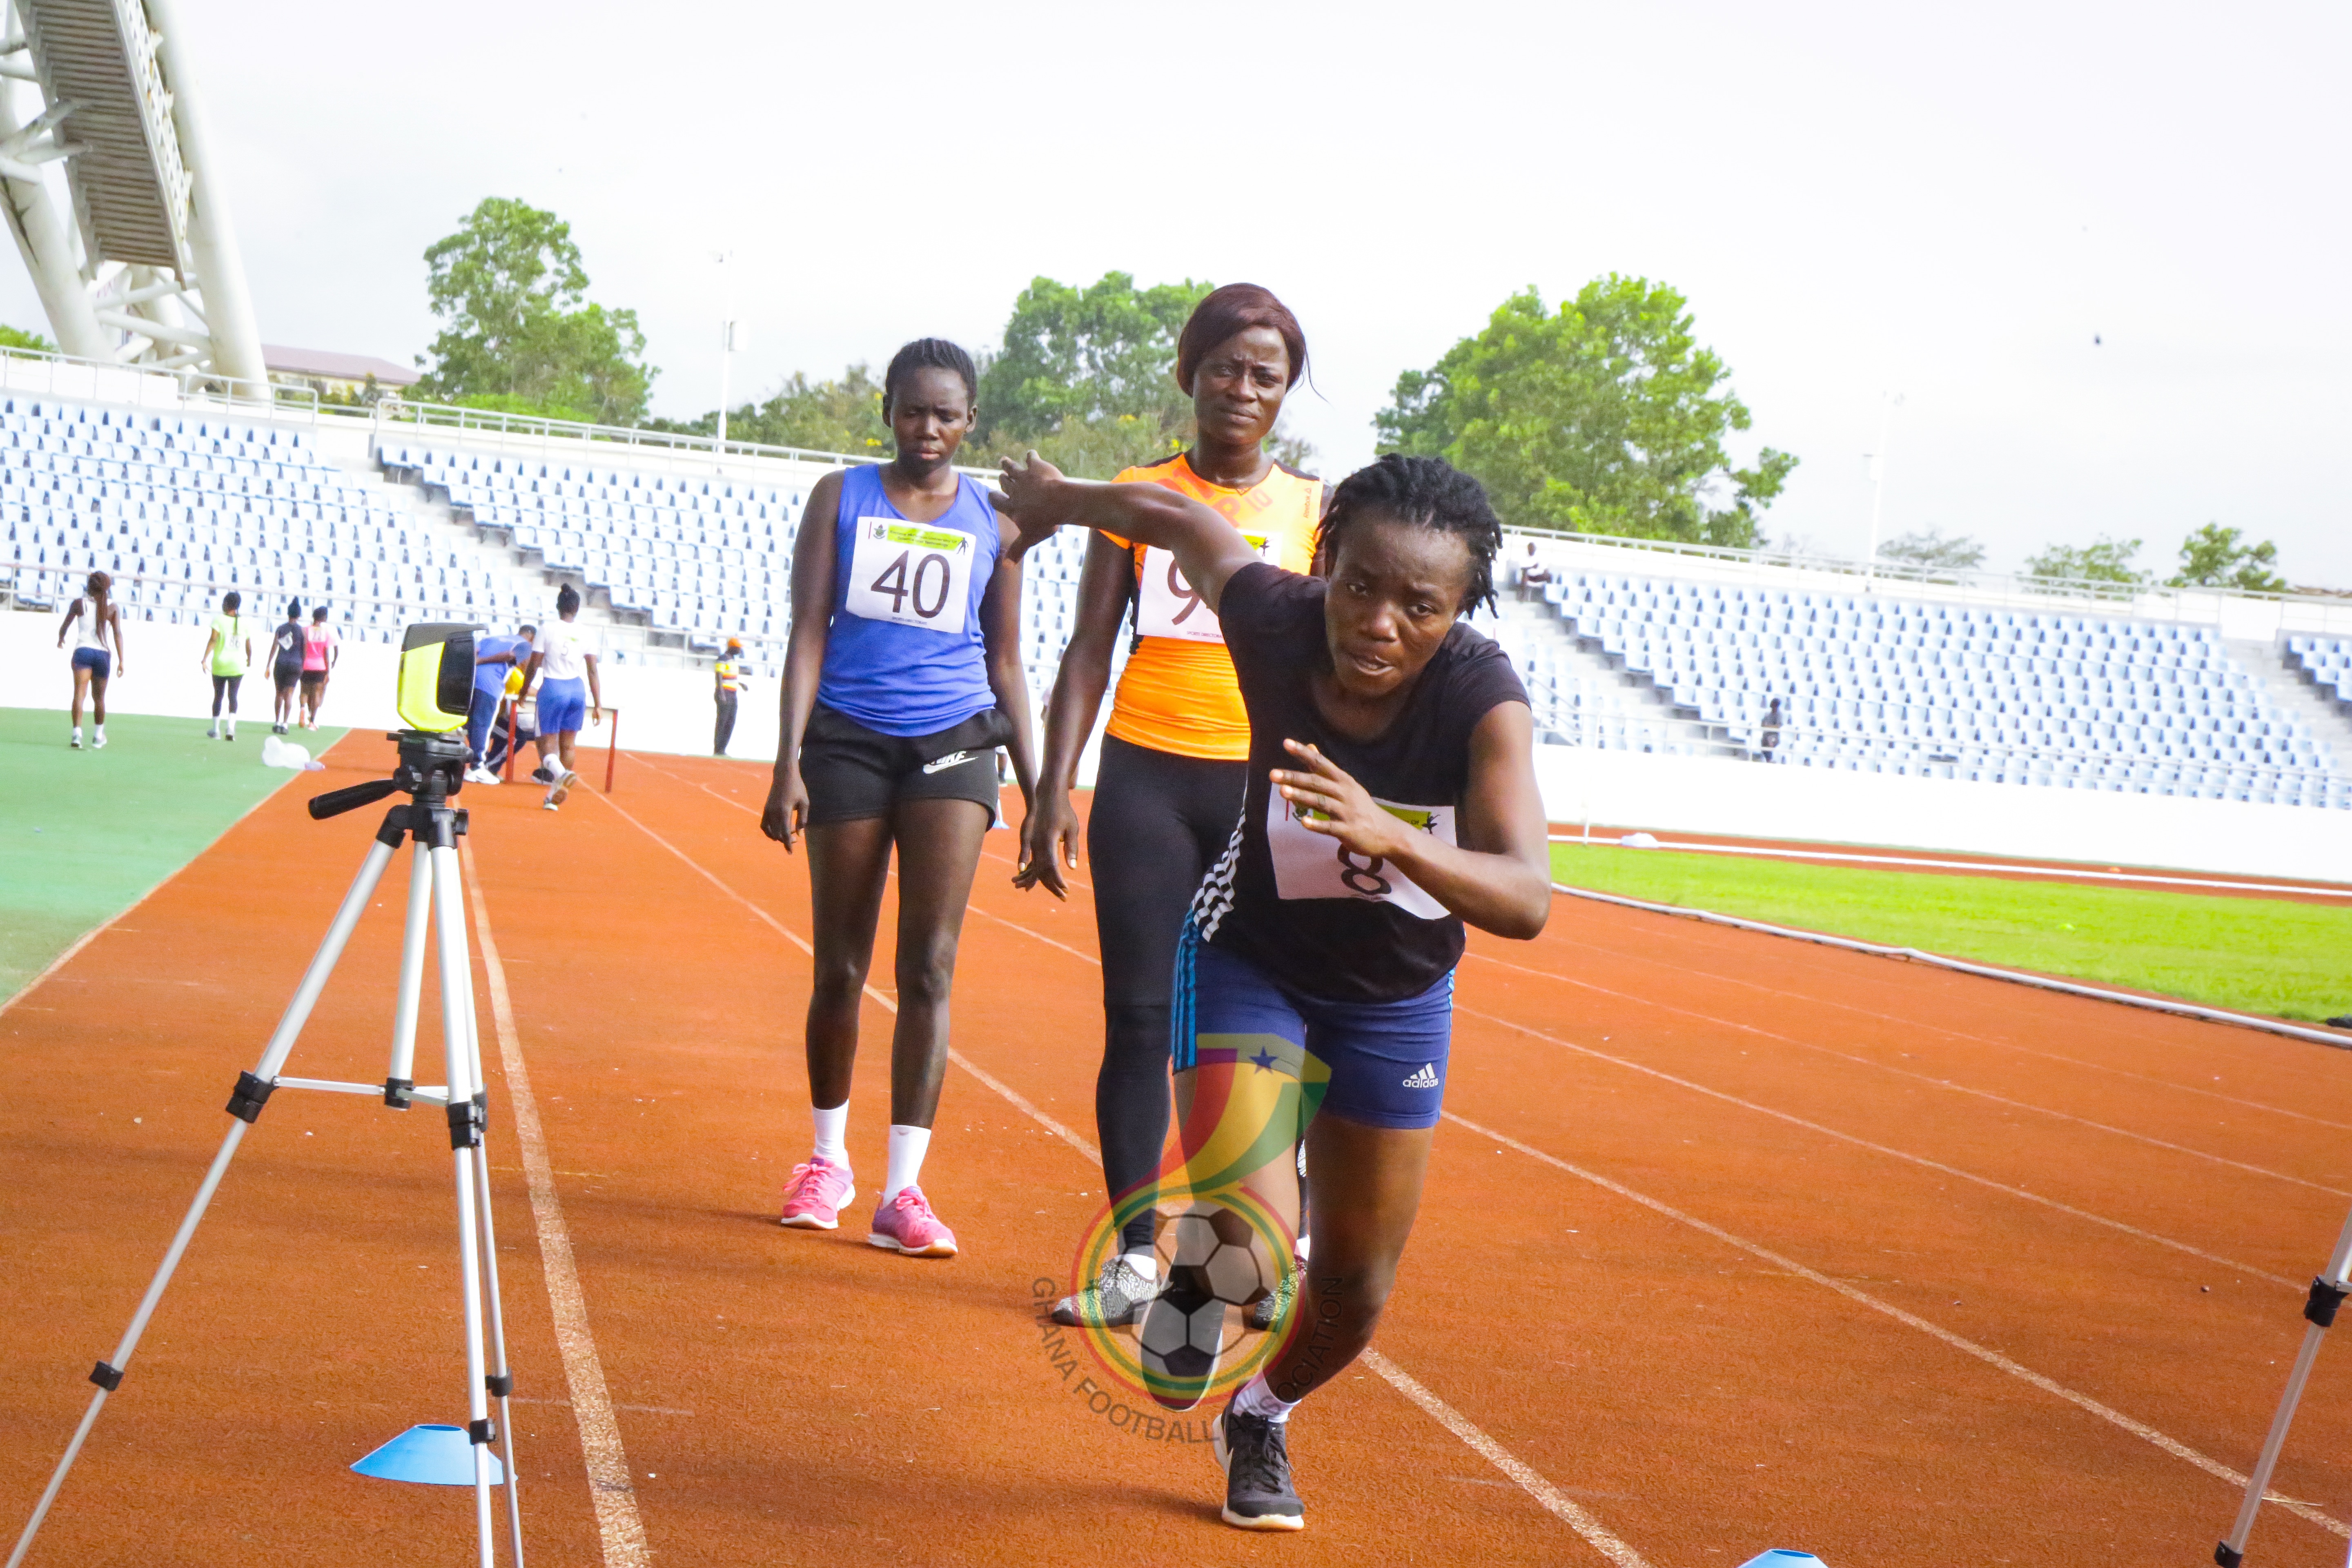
903	654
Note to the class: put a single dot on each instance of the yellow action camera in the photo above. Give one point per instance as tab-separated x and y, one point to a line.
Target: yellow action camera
436	676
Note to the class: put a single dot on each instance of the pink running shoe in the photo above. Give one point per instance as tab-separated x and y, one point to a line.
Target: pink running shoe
813	1198
907	1225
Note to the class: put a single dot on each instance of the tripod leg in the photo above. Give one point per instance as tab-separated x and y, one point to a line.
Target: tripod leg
501	1378
401	1078
2327	1293
466	1116
245	1101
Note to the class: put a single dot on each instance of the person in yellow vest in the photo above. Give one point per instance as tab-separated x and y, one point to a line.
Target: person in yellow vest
1175	757
727	689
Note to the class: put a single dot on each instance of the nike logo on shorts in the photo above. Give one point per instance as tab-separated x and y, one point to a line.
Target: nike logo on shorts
950	760
1425	1078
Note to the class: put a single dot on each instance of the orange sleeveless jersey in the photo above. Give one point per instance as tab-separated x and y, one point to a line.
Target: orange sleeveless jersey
1178	693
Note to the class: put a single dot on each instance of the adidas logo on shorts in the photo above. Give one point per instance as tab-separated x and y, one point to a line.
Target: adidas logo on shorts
953	759
1425	1078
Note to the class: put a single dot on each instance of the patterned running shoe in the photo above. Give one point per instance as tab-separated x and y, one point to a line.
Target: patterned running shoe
907	1225
561	787
813	1198
1268	1310
1258	1493
1116	1296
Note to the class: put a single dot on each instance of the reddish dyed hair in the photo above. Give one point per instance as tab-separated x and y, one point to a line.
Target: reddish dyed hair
1232	309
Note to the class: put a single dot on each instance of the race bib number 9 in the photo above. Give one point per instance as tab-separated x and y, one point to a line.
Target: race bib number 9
1170	608
1311	864
911	573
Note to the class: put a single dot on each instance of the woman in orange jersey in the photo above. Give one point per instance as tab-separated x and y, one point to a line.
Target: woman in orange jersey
1175	755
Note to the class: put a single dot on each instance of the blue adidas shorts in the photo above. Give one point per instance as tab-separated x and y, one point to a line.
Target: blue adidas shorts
1386	1059
561	705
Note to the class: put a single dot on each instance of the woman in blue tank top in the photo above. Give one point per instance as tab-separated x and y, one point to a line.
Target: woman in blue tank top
902	678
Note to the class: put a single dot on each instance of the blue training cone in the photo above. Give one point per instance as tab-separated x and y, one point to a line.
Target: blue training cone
1783	1557
434	1455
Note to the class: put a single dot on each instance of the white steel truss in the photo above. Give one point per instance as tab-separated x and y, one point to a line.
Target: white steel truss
144	268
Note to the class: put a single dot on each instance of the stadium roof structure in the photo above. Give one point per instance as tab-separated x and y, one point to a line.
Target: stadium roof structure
139	265
323	364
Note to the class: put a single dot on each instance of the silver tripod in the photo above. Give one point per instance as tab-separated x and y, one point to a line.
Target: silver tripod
432	768
2327	1293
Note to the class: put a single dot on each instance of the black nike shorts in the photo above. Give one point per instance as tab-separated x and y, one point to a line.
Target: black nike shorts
853	772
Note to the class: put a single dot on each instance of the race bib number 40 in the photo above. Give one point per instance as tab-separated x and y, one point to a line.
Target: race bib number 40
1168	607
1311	864
911	573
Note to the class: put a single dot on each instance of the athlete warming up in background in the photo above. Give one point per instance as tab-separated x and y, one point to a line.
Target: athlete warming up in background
902	678
228	651
568	688
1392	797
89	618
1175	753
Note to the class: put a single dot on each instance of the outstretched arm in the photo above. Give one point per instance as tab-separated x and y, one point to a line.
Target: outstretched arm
1207	548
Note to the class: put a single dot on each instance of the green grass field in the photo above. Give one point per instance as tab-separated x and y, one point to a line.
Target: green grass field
2285	958
84	834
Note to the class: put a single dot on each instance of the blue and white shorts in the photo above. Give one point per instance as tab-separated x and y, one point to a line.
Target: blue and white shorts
1385	1060
563	704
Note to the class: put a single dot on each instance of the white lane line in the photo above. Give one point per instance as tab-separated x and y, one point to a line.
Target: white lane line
2070	873
1546	1495
1942	1083
1989	1356
1919	1160
618	1525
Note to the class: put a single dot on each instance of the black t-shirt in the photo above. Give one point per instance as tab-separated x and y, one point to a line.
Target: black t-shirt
1320	917
285	643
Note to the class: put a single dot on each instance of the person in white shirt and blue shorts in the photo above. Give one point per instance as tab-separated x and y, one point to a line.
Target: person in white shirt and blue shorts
560	657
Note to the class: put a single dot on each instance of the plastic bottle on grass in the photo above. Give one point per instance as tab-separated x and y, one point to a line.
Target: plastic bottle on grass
278	753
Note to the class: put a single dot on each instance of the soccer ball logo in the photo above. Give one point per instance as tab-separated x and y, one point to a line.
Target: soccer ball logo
1217	1261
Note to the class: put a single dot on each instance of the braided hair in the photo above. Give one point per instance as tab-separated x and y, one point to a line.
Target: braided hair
1426	492
928	354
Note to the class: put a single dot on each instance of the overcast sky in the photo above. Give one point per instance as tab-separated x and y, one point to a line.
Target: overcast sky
1857	200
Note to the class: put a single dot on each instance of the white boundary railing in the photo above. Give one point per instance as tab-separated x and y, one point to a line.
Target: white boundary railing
39	374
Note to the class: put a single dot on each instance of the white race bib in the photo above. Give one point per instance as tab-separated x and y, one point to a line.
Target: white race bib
1169	607
1310	865
911	574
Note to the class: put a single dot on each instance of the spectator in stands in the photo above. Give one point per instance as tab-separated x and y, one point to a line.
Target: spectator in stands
320	652
1533	573
1772	732
727	675
90	617
495	658
286	662
561	655
228	651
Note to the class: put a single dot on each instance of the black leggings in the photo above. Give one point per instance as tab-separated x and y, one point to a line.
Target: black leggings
1159	821
228	684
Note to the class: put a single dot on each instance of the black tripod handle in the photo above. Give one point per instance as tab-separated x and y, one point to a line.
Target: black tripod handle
336	802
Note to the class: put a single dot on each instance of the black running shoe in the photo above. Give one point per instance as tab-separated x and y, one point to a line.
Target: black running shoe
1258	1493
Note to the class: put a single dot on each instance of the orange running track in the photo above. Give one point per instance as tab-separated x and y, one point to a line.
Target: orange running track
1730	1242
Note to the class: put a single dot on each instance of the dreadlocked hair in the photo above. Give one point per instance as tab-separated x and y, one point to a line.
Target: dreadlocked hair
1426	492
928	354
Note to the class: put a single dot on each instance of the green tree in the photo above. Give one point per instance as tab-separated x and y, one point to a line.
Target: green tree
2104	560
517	334
2217	557
16	338
1605	416
1087	375
839	415
1930	551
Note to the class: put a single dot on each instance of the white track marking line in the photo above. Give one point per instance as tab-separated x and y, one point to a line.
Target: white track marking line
1546	1495
1817	1001
2065	873
618	1525
1942	1083
1991	1357
1919	1160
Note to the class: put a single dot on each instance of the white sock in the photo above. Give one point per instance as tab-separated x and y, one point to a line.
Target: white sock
908	1147
1145	1263
232	726
101	731
1257	1398
832	1128
77	731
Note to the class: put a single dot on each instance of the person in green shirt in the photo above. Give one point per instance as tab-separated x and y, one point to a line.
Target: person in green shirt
228	650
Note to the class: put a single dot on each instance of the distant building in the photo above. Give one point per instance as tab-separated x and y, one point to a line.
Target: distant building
334	376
